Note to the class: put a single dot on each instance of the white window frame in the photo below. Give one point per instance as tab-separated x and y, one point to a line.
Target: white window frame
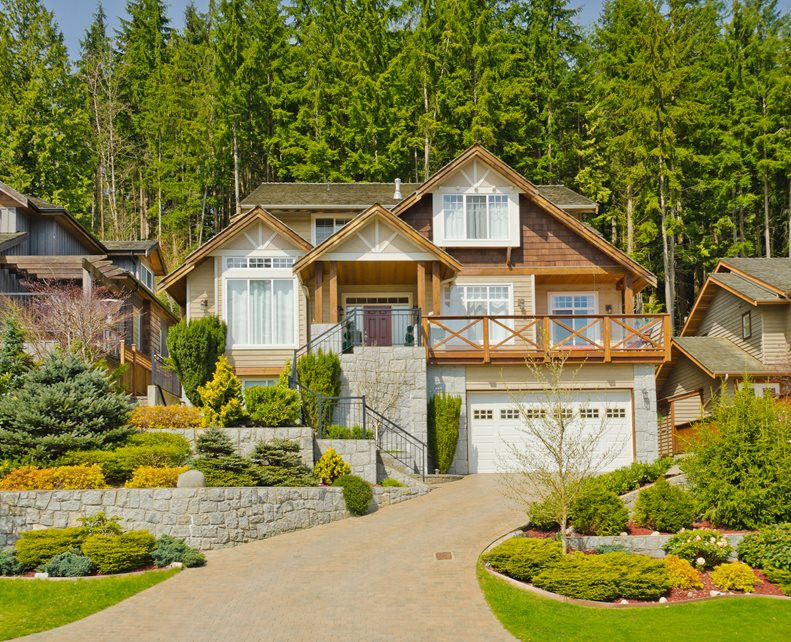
510	240
596	334
314	217
266	382
509	285
142	272
260	274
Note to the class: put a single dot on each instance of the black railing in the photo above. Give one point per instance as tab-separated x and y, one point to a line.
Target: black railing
164	377
396	442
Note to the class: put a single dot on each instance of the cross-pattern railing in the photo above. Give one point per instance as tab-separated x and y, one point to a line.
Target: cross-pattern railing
502	338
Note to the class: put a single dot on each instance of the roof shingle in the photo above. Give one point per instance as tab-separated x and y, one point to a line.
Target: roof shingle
773	271
721	356
747	288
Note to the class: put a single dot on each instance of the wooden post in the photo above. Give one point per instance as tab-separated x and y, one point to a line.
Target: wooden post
333	292
425	328
318	294
606	339
628	294
436	293
421	285
486	357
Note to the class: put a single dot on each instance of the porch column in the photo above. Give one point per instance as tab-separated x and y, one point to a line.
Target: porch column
628	294
318	293
333	292
436	293
421	285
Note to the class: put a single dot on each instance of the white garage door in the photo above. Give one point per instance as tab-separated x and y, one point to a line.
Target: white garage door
494	422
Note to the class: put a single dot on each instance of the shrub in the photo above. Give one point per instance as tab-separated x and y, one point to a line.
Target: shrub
781	577
9	565
101	524
14	361
681	573
631	477
34	548
61	477
734	576
221	397
214	443
320	372
148	477
154	417
523	557
599	512
444	411
606	577
170	549
740	468
664	507
224	469
702	547
272	405
118	553
154	439
278	452
63	405
356	493
392	483
769	547
194	347
331	466
118	465
541	515
334	431
283	476
69	564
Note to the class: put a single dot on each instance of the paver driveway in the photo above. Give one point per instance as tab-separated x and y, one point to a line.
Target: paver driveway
370	578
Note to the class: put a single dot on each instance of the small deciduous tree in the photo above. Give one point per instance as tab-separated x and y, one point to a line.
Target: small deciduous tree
559	451
194	347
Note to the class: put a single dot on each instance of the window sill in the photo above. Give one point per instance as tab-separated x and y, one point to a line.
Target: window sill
477	243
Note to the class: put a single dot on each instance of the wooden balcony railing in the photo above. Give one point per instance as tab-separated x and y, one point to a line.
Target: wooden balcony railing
600	338
137	376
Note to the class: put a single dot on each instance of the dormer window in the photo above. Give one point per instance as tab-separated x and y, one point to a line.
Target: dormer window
475	216
325	227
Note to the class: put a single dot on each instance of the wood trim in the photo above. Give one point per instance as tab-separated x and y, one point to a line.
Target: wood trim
333	292
318	294
421	285
628	294
436	289
593	271
634	425
252	372
684	395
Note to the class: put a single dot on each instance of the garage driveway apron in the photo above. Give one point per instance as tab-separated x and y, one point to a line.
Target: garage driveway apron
369	578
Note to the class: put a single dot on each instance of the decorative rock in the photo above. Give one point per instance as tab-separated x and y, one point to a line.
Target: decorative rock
714	593
662	600
41	576
655	533
624	602
176	565
191	479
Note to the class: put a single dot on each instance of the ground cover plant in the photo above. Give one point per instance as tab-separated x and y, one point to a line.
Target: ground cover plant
57	478
523	557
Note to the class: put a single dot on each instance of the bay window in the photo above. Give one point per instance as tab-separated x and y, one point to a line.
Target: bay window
470	217
260	312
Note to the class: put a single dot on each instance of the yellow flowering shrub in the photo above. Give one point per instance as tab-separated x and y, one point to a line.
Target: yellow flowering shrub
734	576
682	574
222	397
331	466
152	417
59	478
150	477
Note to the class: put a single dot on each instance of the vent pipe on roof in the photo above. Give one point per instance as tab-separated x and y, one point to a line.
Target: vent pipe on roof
397	193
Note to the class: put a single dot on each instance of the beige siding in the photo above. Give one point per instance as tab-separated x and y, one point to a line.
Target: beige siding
273	360
685	377
607	294
200	287
591	376
687	410
523	292
723	318
776	324
298	221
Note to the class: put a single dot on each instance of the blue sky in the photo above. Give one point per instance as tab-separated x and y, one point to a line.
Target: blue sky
74	16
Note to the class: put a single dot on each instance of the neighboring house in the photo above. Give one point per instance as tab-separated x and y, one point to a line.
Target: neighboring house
446	285
42	243
739	326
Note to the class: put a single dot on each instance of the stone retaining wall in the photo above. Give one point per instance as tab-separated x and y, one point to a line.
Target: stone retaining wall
645	544
206	518
245	439
360	454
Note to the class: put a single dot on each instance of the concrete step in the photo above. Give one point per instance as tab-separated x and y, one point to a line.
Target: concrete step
436	480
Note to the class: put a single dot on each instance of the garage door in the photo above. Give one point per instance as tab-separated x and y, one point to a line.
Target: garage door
495	424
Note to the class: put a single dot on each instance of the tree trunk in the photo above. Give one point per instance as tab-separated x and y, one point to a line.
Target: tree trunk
667	247
767	230
629	220
238	207
426	135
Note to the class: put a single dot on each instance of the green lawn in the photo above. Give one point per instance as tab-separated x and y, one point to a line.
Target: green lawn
28	606
530	617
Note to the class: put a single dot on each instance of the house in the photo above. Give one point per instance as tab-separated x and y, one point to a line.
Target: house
43	243
739	326
451	285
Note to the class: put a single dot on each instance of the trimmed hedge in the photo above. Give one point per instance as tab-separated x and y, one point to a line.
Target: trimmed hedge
444	411
334	431
524	557
319	372
357	493
157	417
118	465
272	406
34	548
599	512
118	553
606	577
664	507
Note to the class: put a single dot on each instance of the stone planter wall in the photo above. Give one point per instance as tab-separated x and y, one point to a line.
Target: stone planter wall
645	544
245	439
360	454
206	518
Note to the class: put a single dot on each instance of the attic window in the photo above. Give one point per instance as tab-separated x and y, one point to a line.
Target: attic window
259	262
747	325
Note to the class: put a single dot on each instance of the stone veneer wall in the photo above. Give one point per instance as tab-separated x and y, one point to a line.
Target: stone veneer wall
245	439
646	424
644	544
452	380
394	376
360	454
206	518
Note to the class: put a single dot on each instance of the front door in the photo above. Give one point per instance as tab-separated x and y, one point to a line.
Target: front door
378	326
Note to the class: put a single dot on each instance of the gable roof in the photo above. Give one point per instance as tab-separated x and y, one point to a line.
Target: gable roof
174	283
478	151
567	199
771	273
360	221
7	241
150	249
719	356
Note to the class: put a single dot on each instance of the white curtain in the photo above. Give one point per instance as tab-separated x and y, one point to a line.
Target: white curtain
453	207
260	312
283	320
498	217
237	310
476	217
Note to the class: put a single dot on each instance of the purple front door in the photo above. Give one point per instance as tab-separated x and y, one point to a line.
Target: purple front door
378	326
